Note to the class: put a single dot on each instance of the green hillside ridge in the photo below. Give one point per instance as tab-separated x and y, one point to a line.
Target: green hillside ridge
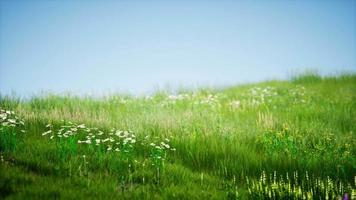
290	139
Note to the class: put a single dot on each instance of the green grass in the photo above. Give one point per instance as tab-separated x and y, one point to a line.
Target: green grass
213	142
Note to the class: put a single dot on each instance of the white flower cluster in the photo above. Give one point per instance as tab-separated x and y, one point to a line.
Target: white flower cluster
172	99
162	145
158	152
299	94
194	98
112	140
211	99
235	104
262	95
179	97
9	119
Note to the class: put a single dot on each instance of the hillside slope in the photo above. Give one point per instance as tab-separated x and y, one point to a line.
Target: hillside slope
275	139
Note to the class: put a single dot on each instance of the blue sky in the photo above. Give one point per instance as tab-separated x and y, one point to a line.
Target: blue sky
139	46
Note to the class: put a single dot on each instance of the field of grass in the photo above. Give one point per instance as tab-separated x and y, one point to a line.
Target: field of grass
272	140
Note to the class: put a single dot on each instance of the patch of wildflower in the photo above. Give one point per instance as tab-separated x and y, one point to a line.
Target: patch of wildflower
235	104
303	145
113	140
295	187
231	187
8	119
158	154
213	101
173	99
65	139
197	99
282	141
261	95
123	143
210	100
10	127
298	94
179	97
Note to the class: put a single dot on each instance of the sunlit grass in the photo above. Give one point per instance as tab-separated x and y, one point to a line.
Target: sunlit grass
189	145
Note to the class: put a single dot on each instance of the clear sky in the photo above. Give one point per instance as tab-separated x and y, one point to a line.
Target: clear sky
138	46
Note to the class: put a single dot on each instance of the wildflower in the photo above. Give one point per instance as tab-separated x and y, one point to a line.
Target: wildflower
45	133
3	116
118	133
235	104
12	121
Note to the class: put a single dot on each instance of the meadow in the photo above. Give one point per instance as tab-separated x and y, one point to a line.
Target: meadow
291	139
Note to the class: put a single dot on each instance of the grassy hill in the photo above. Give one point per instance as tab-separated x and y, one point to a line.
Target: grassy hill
276	139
